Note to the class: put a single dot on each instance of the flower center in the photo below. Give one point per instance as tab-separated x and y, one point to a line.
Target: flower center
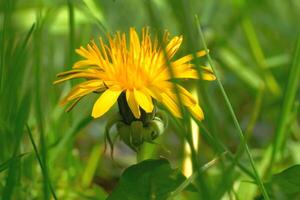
132	77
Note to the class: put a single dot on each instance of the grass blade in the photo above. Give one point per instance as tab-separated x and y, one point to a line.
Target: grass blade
12	177
38	107
236	123
46	177
288	103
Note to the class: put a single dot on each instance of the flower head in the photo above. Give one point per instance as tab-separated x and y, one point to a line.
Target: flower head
139	70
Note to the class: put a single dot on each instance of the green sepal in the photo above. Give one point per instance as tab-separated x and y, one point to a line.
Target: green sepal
110	123
153	129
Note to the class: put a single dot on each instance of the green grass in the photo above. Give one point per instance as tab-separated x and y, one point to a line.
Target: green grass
251	127
234	118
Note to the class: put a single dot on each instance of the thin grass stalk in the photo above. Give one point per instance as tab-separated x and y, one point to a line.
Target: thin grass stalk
38	106
14	166
253	118
221	149
214	140
41	163
5	26
236	123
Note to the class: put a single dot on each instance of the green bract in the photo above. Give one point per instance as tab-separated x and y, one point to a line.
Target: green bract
138	131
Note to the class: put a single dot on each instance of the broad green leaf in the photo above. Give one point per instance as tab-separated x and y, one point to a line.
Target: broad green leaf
150	179
286	184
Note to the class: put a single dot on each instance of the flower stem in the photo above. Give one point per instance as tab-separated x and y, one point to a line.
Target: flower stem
139	154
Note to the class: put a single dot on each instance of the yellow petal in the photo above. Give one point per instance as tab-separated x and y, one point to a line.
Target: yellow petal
173	46
73	71
207	73
83	89
83	52
189	101
134	43
171	104
186	71
105	102
208	77
201	53
144	101
196	112
153	92
183	60
162	76
189	57
75	93
77	75
187	98
84	63
164	85
73	104
190	73
96	49
133	105
95	84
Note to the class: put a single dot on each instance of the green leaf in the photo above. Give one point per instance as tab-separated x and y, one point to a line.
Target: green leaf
286	184
150	179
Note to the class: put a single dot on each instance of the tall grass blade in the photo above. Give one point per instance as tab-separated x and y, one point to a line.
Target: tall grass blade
15	112
236	123
287	104
38	41
12	176
46	178
8	8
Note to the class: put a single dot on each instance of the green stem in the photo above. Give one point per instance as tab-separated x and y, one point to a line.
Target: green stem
234	118
139	154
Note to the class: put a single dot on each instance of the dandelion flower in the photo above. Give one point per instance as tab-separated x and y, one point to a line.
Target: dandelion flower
137	71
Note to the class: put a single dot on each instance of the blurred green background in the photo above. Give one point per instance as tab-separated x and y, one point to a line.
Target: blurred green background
251	43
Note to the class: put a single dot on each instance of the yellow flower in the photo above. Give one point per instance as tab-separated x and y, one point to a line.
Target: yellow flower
138	69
